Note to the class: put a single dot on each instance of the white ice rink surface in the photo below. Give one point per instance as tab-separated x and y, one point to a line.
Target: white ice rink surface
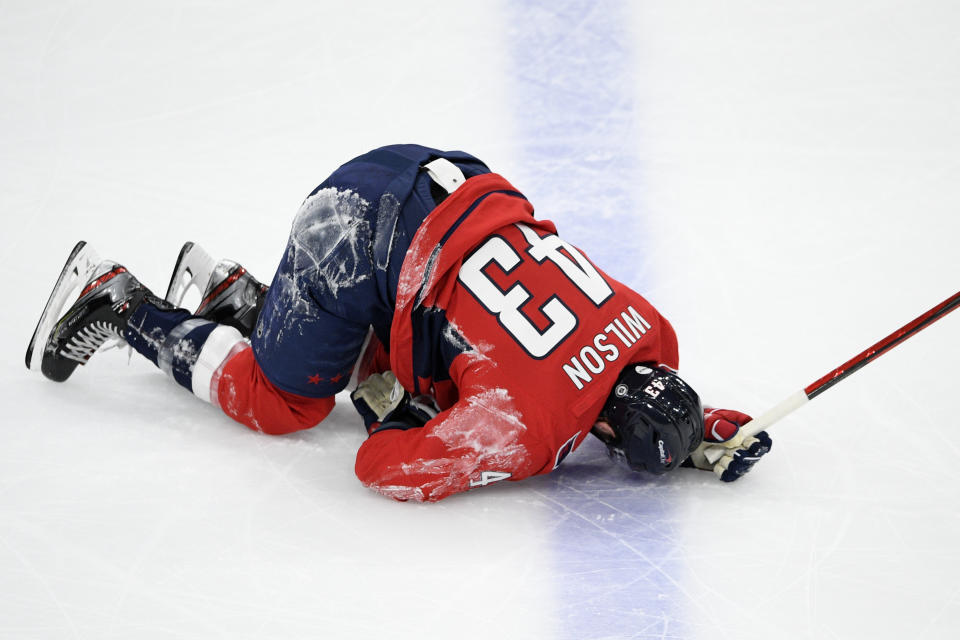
780	179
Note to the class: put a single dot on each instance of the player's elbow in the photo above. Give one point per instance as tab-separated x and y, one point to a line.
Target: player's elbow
373	474
410	478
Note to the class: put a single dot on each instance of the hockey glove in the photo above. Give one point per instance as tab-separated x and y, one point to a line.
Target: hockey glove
383	403
722	427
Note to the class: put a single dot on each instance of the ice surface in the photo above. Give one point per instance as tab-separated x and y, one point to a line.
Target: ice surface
779	179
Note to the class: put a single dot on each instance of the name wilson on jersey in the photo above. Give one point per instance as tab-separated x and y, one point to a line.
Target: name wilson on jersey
593	358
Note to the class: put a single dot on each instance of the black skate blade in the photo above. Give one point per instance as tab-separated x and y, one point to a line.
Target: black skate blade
71	269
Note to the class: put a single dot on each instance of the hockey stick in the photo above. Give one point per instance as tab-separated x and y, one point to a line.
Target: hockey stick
811	391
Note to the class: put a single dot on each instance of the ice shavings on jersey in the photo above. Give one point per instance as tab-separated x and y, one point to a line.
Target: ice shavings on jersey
486	422
475	353
385	233
481	434
417	268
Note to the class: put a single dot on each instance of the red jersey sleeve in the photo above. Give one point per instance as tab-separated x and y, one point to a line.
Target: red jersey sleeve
481	439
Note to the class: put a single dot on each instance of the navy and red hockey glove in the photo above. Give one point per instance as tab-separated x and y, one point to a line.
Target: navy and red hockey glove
722	427
383	404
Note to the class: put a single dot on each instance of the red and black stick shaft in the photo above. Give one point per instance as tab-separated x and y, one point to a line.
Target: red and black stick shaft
873	352
848	368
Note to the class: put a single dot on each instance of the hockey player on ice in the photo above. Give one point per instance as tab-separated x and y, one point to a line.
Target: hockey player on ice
486	347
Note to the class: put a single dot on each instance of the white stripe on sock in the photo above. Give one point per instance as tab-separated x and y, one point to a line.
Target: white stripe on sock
215	350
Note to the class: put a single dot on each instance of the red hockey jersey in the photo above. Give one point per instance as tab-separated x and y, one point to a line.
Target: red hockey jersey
518	336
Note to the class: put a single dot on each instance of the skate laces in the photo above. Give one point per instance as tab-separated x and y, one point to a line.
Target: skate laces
90	338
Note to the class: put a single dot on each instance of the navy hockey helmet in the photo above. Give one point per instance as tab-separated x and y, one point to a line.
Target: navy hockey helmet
656	417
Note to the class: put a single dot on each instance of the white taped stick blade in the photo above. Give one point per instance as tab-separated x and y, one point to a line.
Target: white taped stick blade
76	272
193	269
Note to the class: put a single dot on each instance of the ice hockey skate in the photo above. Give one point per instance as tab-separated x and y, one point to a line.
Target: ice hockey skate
229	294
67	336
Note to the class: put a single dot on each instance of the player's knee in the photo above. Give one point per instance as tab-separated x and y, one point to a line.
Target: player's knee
275	417
245	394
282	422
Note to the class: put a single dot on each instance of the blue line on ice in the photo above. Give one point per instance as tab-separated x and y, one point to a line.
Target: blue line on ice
572	81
